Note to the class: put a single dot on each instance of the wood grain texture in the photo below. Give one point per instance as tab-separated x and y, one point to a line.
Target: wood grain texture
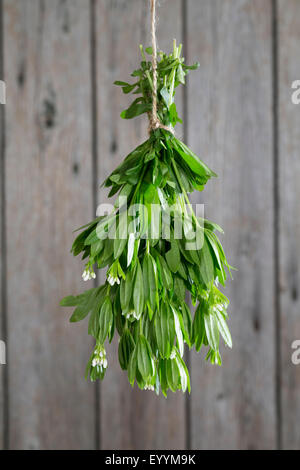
130	419
2	264
289	228
230	127
48	167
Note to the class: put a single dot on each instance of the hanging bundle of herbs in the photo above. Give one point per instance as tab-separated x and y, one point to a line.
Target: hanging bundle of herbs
155	248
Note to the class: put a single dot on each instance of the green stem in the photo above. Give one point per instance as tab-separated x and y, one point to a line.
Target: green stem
175	55
149	78
179	50
142	53
141	327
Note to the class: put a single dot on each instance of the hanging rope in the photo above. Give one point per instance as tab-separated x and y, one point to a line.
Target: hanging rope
154	122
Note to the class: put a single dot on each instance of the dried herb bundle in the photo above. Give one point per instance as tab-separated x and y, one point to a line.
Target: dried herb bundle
156	250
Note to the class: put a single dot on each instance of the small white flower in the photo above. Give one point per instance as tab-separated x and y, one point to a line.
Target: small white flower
114	273
113	280
88	274
99	358
173	354
130	314
149	387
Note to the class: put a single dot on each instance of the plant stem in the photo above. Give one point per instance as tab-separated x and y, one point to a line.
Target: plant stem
141	327
149	78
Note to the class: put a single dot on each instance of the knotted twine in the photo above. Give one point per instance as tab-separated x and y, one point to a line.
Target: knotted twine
154	122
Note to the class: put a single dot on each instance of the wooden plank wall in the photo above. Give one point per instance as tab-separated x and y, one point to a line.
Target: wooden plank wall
48	167
63	135
128	413
230	126
289	223
2	256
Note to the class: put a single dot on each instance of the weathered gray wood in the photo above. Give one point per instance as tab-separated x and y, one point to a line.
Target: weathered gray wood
130	419
230	127
2	313
289	229
48	170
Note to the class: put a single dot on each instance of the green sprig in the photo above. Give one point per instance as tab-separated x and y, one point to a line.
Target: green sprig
150	269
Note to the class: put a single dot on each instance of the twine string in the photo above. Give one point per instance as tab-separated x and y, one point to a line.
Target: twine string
154	122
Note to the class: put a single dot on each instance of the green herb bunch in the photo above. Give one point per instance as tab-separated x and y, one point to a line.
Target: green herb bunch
156	250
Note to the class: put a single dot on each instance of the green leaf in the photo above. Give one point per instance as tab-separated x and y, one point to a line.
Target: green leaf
70	301
172	374
178	332
186	323
121	235
105	320
165	273
199	327
126	290
138	290
144	358
126	87
173	257
150	282
136	109
193	162
164	331
163	376
130	248
206	263
180	74
223	328
212	331
174	118
85	305
184	374
211	237
120	83
132	365
179	289
166	96
150	194
126	347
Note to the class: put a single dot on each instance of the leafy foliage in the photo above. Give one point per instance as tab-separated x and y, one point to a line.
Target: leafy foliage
150	269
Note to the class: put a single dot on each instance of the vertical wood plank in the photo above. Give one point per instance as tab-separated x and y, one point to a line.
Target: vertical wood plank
2	312
130	419
289	227
230	127
48	167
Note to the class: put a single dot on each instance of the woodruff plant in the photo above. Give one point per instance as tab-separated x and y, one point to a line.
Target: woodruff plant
151	270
